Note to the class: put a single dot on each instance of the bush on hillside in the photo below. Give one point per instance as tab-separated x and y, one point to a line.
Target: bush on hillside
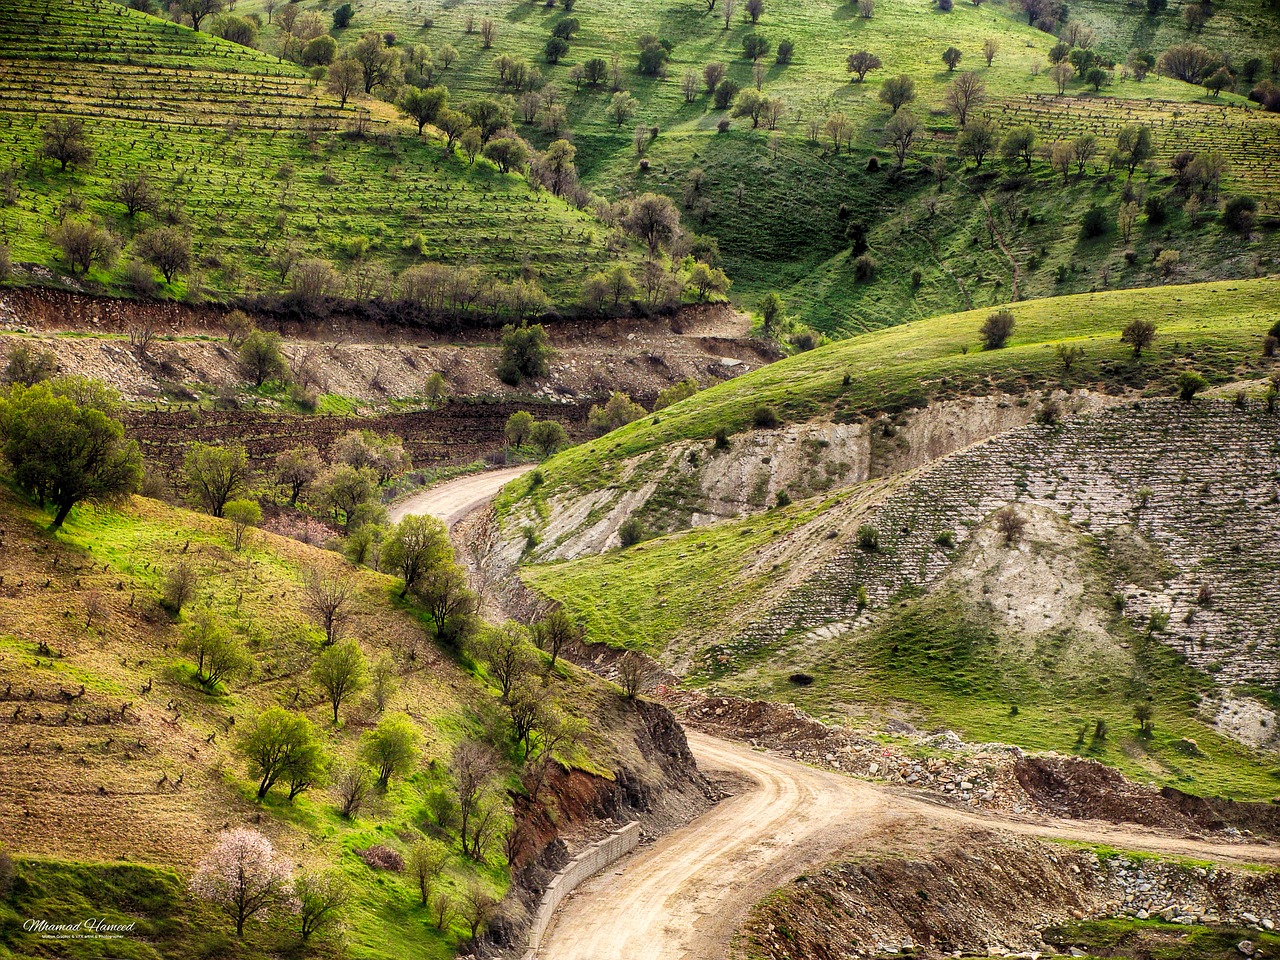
996	329
618	411
1238	215
1189	384
1094	223
631	532
526	353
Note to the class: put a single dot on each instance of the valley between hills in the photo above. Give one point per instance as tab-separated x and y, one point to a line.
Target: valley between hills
718	480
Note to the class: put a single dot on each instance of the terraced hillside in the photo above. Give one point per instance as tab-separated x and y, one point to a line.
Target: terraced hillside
843	413
1134	568
256	160
780	197
1139	569
1196	483
118	769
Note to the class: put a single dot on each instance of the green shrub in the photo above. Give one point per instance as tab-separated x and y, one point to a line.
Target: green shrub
617	412
320	51
1238	215
1189	384
726	91
631	532
1094	223
547	436
526	353
765	418
868	538
996	329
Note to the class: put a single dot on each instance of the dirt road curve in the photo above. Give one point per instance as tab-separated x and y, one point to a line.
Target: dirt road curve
452	501
683	897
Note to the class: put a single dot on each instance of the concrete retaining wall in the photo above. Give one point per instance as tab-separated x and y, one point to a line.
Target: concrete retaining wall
589	862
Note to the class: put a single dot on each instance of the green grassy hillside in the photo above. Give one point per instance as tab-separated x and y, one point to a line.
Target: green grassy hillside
254	159
117	815
773	198
1216	328
1049	641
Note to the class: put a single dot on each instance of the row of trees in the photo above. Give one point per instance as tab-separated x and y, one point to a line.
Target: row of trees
164	246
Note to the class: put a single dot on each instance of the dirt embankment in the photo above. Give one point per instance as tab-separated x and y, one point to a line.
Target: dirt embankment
993	777
374	363
658	784
1078	788
993	894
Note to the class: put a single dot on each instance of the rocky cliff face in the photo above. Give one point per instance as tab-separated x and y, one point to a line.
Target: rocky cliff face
993	894
1183	491
691	484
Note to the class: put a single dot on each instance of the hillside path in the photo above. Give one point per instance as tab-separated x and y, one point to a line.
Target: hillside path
683	897
455	499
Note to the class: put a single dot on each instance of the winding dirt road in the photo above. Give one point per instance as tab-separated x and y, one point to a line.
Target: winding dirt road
683	897
456	499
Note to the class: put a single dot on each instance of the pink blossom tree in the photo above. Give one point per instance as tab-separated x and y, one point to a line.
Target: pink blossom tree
243	877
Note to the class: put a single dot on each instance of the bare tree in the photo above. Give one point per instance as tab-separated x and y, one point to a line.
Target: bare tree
328	598
966	93
141	335
344	79
65	141
473	767
901	132
712	74
351	784
633	673
180	585
689	86
442	910
1010	524
478	906
136	194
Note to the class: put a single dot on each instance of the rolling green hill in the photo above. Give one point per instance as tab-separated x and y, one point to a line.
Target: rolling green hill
1136	576
1216	328
254	159
780	202
111	805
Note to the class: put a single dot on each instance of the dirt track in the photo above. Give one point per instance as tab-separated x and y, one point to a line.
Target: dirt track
452	501
683	897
